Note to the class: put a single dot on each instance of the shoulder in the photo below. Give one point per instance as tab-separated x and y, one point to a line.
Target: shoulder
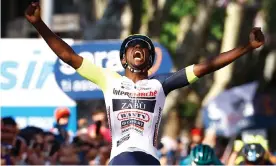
94	72
161	77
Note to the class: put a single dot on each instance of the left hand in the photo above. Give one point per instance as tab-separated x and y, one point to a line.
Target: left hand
256	38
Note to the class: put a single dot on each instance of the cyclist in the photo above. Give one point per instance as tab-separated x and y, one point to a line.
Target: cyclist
201	155
238	156
135	102
254	154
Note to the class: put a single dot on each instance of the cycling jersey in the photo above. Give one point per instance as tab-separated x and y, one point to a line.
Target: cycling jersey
134	109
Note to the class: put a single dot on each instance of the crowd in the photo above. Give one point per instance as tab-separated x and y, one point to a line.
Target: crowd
91	145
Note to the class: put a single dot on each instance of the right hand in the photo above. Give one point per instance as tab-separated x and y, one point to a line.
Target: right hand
32	13
256	37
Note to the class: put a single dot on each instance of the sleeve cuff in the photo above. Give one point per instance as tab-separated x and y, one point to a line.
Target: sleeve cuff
190	74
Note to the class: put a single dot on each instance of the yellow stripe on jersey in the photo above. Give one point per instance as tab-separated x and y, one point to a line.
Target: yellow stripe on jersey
190	74
96	74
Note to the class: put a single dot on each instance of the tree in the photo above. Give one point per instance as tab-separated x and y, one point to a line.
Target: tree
188	53
111	18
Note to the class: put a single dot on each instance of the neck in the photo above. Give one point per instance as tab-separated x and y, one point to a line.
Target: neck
136	76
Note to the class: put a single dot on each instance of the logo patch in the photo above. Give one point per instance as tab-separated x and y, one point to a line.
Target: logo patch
138	115
131	104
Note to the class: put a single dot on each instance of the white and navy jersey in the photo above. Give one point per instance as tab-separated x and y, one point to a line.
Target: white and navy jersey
134	109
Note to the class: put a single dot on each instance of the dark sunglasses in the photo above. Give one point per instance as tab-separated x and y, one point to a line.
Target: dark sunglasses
141	43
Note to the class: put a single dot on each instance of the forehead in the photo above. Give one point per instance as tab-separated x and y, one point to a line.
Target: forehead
129	49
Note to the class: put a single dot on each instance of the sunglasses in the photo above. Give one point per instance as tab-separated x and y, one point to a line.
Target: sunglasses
140	42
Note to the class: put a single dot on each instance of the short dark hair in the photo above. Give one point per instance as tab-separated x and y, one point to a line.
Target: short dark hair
29	132
8	121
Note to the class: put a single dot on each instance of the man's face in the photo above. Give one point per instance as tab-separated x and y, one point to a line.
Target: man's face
8	133
196	139
39	142
49	138
137	54
99	117
48	141
63	120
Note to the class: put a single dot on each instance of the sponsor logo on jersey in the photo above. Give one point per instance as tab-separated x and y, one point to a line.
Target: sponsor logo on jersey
132	122
126	85
124	104
138	130
109	121
138	115
142	95
123	139
156	127
143	88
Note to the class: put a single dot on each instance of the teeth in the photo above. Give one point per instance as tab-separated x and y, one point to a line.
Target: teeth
137	58
139	52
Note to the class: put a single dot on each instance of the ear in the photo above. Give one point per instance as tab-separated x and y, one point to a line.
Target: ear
124	59
124	62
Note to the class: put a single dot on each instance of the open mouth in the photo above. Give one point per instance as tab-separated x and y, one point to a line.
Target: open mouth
138	55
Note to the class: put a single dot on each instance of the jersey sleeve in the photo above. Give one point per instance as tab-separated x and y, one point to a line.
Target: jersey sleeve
178	79
96	74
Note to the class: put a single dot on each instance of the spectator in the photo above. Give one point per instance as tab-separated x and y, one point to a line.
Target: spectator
62	116
196	138
82	126
252	150
83	144
68	156
49	140
51	145
254	154
12	146
162	154
8	131
91	156
35	153
99	128
104	154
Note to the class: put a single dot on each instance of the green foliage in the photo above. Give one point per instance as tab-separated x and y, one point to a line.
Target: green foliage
217	23
146	4
182	8
269	7
170	29
189	110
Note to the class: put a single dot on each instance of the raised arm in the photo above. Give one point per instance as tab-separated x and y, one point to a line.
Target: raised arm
256	39
60	48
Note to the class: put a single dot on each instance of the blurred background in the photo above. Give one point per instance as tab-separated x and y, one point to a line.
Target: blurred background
49	114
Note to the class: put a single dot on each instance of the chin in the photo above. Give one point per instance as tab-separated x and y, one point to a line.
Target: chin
139	66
